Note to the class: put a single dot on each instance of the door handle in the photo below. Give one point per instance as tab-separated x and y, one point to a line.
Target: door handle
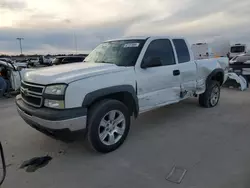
176	72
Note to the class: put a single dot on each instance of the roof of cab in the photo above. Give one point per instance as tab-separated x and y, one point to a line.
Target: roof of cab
144	38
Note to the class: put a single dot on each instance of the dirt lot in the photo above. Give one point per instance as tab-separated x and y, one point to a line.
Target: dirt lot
212	144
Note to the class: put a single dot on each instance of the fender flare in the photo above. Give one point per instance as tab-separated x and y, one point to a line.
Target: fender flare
97	94
215	72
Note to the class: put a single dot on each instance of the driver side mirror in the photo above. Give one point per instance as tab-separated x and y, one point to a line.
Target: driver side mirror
2	165
151	62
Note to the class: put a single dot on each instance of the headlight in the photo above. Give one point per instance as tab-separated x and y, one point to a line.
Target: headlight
58	104
56	89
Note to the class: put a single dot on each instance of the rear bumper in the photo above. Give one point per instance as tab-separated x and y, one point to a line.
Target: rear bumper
69	120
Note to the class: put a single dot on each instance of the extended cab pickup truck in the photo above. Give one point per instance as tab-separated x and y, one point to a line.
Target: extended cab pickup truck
119	79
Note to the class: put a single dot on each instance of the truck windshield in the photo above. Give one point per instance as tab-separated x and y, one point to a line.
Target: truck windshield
237	49
120	52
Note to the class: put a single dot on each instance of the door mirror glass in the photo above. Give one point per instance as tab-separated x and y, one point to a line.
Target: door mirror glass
2	165
151	62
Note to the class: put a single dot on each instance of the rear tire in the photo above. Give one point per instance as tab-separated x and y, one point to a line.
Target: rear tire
211	96
108	125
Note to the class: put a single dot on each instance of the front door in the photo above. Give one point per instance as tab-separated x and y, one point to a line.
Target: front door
159	84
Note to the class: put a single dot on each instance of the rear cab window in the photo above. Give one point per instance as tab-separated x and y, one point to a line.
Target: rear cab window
182	51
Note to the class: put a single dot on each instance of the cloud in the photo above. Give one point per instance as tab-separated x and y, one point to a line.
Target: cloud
201	21
51	26
12	5
58	40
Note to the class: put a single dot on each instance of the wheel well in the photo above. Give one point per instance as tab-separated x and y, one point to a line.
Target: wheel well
125	97
218	77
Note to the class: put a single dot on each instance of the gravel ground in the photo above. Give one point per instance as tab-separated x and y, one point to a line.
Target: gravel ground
211	144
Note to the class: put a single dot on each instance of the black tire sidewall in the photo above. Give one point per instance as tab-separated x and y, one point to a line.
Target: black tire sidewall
204	99
212	85
97	113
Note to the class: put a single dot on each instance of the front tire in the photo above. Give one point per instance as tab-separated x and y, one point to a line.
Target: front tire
108	125
211	96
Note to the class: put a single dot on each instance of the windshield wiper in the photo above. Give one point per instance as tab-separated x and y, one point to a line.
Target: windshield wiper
104	62
101	62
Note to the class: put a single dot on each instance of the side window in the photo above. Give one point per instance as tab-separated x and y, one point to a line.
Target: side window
181	50
162	49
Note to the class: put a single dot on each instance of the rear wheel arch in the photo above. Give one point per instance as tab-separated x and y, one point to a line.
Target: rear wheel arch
216	75
123	93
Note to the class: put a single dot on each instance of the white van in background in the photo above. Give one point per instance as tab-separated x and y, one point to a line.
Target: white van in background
201	51
211	50
237	49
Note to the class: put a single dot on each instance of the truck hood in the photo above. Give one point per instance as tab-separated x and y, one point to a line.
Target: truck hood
69	72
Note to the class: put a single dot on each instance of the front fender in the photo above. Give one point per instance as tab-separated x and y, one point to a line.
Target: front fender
92	96
84	91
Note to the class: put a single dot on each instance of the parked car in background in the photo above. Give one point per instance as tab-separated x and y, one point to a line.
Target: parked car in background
60	60
6	60
119	79
20	63
33	61
237	49
45	60
240	64
214	49
13	73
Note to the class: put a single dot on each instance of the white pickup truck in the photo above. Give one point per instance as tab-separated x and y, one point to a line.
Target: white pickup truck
119	79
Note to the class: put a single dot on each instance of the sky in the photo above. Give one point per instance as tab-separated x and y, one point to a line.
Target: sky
53	26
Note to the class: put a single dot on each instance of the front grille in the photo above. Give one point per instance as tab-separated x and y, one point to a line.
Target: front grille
34	101
32	94
36	89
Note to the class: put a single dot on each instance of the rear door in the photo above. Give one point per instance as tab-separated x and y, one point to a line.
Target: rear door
187	66
158	85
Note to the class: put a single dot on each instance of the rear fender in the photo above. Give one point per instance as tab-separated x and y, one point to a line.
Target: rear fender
217	74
